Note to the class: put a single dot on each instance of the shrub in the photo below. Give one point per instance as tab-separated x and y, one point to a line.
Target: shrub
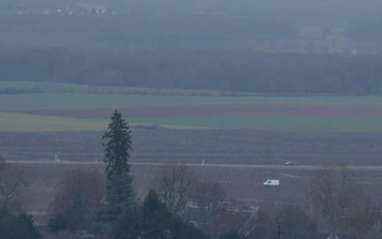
20	227
68	220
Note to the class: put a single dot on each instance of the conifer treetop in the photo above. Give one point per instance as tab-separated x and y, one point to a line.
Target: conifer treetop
118	145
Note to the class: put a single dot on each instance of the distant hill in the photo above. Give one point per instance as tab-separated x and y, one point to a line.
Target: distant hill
255	46
223	70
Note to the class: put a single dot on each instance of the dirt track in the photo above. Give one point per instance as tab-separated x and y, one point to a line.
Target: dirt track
231	147
238	166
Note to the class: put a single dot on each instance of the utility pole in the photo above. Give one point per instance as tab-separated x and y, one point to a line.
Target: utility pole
278	228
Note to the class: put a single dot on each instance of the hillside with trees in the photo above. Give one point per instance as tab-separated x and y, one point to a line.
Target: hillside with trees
277	47
225	70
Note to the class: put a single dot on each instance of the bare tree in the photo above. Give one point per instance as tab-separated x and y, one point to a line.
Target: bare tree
174	184
296	223
375	232
209	194
79	191
13	184
286	220
333	194
365	220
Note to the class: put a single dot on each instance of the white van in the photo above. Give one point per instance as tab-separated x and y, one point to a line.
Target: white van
272	182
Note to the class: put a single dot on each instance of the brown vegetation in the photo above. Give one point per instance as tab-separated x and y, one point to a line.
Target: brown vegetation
78	190
209	194
174	184
13	187
334	194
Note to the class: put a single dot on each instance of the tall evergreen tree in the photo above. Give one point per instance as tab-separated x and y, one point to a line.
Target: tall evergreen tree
118	146
119	191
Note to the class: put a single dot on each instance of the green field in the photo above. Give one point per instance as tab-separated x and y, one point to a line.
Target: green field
23	121
278	124
47	87
10	122
98	101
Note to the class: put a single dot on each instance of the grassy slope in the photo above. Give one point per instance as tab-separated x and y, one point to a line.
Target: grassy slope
10	122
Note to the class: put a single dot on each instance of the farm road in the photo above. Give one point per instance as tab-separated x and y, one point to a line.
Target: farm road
240	166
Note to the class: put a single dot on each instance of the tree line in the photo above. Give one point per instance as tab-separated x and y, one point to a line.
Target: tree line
108	208
225	70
